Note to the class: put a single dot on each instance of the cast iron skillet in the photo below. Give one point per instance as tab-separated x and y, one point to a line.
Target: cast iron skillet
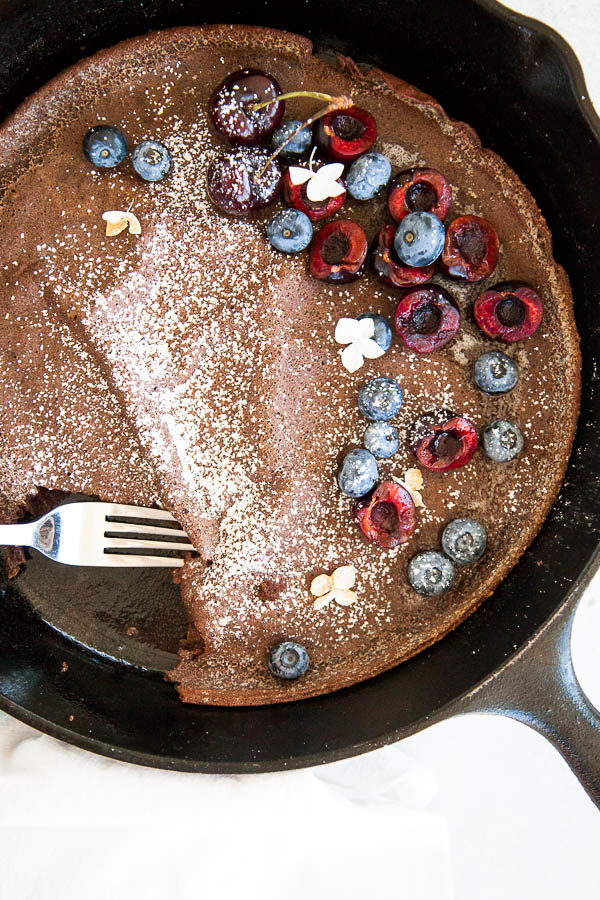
522	89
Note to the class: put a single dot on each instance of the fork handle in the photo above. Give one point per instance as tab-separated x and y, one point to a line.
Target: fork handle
17	535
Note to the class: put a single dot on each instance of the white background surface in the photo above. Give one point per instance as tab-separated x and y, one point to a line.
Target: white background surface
477	808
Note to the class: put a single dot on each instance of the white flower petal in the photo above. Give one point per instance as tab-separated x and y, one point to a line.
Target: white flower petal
320	188
117	221
299	175
344	597
416	498
347	330
113	228
332	171
414	494
320	585
367	327
134	224
414	479
324	601
334	189
344	577
352	358
370	349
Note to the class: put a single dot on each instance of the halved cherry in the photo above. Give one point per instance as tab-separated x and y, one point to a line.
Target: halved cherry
295	195
346	134
417	190
442	441
388	267
471	249
427	319
338	252
510	311
388	518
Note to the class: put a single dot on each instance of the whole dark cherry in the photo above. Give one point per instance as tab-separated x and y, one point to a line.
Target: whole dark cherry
510	311
471	249
339	251
295	195
418	190
388	518
388	267
442	441
235	183
231	109
427	319
346	134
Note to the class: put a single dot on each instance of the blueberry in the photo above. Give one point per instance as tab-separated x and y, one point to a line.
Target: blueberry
464	541
430	573
105	146
151	160
288	660
502	440
496	373
380	399
290	231
298	145
381	439
383	329
367	175
419	239
358	473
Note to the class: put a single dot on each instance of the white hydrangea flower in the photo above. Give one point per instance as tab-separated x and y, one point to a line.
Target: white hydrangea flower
336	587
117	221
413	483
320	185
358	334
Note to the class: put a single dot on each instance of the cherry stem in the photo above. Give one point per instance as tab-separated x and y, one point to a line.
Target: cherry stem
315	95
334	104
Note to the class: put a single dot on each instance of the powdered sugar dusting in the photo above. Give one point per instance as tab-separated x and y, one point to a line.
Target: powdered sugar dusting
222	354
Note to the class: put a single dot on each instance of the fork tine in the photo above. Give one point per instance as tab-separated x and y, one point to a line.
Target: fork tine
144	529
137	512
135	544
125	559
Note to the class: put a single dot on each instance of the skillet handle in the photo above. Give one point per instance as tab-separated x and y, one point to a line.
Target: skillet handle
539	687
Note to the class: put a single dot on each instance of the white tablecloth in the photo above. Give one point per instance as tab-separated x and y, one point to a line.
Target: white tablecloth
477	808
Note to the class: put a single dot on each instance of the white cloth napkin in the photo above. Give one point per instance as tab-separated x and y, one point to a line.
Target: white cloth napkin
75	825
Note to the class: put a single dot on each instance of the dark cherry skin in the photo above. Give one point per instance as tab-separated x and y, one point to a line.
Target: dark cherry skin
230	107
295	195
338	253
388	267
346	134
427	319
234	184
388	518
471	249
509	312
442	441
417	190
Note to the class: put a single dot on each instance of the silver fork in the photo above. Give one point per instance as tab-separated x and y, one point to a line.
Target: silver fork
84	534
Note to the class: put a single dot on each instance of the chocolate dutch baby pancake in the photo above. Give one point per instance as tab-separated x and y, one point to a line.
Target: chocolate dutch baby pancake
326	332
